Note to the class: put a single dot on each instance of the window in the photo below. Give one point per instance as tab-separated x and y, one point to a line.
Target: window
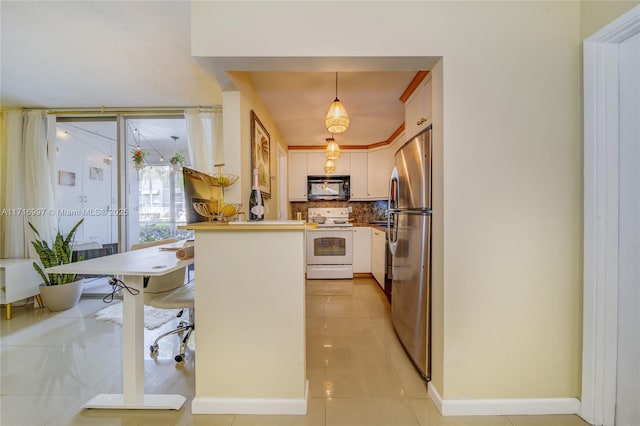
155	186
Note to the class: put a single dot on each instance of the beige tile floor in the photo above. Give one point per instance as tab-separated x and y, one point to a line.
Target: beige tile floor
51	363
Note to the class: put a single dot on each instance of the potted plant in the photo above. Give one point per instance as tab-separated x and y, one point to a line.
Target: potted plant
178	160
137	155
58	291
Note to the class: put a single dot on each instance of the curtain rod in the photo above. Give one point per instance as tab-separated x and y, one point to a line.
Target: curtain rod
126	110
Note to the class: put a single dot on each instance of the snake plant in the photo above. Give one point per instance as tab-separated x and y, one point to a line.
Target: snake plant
58	254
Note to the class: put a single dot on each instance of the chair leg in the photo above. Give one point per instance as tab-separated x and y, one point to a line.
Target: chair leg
183	345
183	326
153	349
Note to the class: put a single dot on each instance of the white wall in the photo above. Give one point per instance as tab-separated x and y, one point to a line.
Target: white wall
508	321
238	104
595	14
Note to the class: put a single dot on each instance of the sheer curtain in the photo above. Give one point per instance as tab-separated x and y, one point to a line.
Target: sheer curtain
27	180
204	137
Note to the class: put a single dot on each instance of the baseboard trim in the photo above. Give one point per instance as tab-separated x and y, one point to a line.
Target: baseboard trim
502	407
208	405
362	275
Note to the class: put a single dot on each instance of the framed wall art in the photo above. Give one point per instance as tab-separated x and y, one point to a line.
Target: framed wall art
66	178
261	154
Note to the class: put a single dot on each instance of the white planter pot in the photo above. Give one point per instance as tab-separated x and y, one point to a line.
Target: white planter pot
61	297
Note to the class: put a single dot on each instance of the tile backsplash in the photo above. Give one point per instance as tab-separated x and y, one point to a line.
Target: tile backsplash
363	211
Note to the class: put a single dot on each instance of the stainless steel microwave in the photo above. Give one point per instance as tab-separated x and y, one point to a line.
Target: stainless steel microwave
328	188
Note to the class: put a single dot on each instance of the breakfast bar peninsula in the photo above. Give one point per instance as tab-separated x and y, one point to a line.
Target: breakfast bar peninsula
250	318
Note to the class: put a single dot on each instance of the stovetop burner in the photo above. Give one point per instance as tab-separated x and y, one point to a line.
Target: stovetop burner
337	217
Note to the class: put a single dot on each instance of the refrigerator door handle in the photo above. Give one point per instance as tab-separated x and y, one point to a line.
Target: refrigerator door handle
392	234
392	199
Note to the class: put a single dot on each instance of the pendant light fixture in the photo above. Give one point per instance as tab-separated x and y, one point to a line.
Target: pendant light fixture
329	166
337	120
332	151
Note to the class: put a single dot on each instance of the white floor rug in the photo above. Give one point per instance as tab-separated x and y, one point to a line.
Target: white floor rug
153	317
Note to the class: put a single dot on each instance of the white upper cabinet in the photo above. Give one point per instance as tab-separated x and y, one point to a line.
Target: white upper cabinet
359	175
316	160
343	164
379	171
369	171
417	109
315	163
297	176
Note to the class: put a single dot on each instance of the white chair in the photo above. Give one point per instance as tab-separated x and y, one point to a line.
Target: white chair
181	298
170	292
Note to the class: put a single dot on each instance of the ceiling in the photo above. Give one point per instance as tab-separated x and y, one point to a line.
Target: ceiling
62	54
298	102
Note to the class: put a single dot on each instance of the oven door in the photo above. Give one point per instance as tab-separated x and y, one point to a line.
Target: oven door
330	253
330	246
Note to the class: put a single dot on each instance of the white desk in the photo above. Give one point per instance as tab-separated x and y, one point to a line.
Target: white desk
132	267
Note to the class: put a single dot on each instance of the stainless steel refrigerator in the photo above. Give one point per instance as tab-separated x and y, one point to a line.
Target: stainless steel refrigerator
410	245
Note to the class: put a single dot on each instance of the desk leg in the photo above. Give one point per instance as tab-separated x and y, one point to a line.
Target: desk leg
133	342
133	396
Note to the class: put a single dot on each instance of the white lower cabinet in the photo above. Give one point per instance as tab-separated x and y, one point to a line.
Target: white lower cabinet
378	255
361	249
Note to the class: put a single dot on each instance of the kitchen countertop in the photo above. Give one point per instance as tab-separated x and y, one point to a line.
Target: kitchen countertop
372	225
266	225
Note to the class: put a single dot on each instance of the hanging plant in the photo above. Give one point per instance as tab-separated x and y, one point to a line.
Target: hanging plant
178	160
137	155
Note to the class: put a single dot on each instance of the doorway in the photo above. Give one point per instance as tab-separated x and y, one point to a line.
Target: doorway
155	194
283	205
610	378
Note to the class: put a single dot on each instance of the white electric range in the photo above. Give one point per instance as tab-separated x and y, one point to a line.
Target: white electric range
330	247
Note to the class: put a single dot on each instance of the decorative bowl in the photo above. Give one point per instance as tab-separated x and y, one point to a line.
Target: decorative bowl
222	213
220	179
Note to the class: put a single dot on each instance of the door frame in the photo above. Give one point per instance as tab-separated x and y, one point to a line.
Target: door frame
282	210
601	205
